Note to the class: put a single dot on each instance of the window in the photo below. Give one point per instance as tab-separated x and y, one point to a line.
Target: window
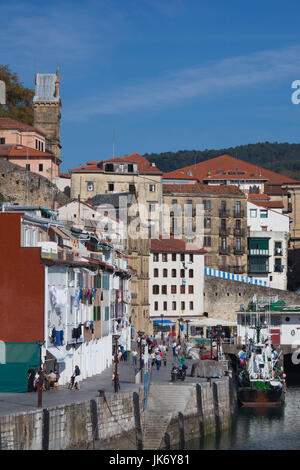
263	214
40	167
164	257
191	305
105	282
111	187
191	273
238	224
182	289
173	305
174	274
130	168
165	306
223	205
278	248
238	243
207	222
182	273
207	241
27	167
132	188
152	188
155	257
36	144
165	272
106	313
223	243
173	256
151	207
174	202
207	205
191	258
182	257
182	305
122	167
155	289
156	306
155	272
90	186
237	207
2	140
253	213
164	289
173	289
207	260
191	289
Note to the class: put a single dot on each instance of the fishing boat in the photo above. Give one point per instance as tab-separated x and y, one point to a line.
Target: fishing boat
261	379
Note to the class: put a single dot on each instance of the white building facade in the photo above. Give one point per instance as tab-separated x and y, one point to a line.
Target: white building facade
176	285
267	245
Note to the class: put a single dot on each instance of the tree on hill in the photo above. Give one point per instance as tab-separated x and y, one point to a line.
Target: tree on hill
279	157
19	100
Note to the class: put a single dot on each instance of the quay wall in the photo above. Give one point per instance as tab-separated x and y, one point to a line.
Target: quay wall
110	421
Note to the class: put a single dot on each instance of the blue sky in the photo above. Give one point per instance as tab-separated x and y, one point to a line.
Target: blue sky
160	75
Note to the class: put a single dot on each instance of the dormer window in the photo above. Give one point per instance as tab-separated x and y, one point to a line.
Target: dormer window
109	167
130	168
90	186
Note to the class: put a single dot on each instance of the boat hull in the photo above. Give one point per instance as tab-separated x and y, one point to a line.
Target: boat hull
249	396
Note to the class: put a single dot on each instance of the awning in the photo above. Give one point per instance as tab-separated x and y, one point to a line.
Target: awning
57	353
211	322
164	321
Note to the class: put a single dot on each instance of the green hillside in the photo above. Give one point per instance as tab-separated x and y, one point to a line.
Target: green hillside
282	158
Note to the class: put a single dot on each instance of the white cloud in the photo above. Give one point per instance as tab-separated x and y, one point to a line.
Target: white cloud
228	74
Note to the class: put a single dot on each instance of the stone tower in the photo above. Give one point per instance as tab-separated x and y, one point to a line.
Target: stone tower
47	105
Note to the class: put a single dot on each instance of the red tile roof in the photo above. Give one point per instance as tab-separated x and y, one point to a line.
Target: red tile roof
219	168
16	151
269	204
144	166
199	188
173	245
9	123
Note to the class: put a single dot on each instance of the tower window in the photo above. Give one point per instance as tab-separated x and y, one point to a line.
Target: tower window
40	167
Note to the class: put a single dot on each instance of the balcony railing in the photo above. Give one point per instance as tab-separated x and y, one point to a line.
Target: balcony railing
224	250
237	269
224	231
278	268
239	250
238	232
224	213
258	252
238	213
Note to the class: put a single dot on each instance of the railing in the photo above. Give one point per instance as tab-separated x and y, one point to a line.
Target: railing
224	213
278	268
224	231
239	251
224	250
238	232
238	213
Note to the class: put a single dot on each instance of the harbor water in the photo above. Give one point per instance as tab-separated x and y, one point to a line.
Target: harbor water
261	428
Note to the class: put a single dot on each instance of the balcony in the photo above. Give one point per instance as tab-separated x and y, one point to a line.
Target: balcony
224	213
238	213
278	268
224	231
238	232
239	250
237	269
224	250
258	252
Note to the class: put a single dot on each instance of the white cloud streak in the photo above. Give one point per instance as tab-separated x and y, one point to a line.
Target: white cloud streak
212	79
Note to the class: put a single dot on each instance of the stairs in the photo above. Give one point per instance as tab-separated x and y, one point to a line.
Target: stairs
165	401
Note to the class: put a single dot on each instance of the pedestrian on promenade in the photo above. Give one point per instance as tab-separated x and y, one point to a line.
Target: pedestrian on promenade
173	347
76	375
134	355
182	359
158	361
176	352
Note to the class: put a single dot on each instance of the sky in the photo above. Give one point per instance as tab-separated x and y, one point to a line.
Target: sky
160	75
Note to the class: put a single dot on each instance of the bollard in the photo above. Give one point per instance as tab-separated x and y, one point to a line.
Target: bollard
181	431
137	419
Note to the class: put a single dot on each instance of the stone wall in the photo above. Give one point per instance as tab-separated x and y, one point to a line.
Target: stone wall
26	188
223	297
110	423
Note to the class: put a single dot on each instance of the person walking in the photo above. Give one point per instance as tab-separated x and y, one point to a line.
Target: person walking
76	376
176	352
134	355
158	361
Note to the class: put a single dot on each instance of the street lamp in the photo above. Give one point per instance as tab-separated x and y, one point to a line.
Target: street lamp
141	334
162	327
40	387
180	320
116	381
187	329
